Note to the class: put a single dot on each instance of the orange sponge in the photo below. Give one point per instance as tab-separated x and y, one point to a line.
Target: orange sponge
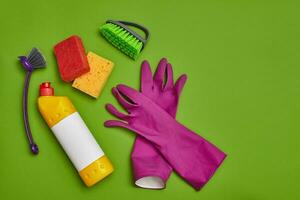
93	82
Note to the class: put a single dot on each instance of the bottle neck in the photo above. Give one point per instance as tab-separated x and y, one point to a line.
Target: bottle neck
46	89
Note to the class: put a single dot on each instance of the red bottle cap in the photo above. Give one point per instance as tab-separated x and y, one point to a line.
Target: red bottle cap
46	89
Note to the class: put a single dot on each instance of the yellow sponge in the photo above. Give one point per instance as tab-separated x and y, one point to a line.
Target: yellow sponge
93	82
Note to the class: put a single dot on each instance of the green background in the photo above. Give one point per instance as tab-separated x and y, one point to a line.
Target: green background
242	59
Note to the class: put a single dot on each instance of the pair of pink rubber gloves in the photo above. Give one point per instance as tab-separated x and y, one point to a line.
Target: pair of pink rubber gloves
162	144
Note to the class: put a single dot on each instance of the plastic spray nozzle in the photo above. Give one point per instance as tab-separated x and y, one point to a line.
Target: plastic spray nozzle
46	89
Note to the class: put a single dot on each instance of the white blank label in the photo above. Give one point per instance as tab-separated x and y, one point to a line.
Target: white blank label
77	140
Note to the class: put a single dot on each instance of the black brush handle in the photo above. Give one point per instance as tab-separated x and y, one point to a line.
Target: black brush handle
33	147
124	25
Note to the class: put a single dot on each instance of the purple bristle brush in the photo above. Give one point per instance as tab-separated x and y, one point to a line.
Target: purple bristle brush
34	61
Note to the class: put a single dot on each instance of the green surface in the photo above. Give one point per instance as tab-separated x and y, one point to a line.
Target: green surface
242	59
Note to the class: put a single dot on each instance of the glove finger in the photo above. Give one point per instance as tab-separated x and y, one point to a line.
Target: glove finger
129	93
160	73
180	83
114	111
116	123
169	77
126	104
146	77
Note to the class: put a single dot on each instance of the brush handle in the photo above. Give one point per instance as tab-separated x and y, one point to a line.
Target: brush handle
144	29
33	147
124	25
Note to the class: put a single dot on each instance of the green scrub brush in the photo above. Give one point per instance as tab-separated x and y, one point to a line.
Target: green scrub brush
121	36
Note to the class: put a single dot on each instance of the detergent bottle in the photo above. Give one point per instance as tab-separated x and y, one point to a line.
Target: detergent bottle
74	136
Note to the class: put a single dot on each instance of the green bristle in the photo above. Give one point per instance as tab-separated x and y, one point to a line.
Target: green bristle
122	39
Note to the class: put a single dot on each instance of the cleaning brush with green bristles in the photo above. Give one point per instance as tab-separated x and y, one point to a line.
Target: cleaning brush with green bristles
121	36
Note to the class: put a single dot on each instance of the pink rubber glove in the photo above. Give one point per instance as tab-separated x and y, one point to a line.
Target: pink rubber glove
191	156
150	169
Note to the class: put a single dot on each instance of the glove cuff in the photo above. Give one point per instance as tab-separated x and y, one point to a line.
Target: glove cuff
151	180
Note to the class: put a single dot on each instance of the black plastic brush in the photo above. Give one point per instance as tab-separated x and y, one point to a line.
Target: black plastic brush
34	60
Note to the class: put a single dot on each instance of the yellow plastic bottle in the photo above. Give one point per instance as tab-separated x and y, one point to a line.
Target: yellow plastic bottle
74	136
